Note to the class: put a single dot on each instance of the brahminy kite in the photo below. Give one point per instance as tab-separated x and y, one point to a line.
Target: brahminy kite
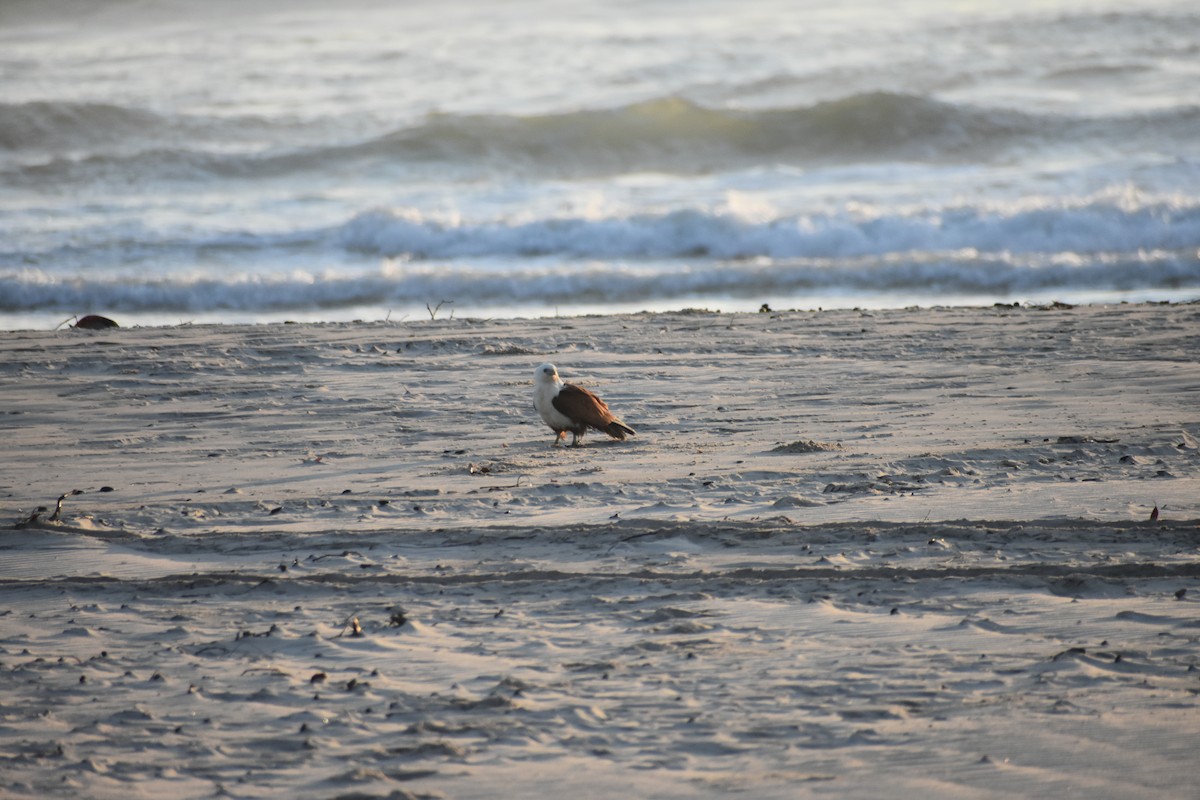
566	407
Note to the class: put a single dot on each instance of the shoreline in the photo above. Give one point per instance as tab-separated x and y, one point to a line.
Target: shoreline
389	315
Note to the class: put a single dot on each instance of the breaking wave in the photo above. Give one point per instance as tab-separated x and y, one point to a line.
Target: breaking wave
1098	224
1115	221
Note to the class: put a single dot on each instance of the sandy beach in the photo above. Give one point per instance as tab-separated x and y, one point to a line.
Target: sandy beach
861	554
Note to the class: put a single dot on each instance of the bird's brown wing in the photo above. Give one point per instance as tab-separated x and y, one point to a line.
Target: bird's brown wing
583	407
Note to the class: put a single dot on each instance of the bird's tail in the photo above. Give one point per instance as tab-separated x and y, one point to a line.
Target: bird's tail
619	430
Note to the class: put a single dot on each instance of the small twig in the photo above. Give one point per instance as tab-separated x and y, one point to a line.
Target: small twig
58	506
433	311
342	554
499	487
638	536
32	518
215	646
626	539
355	629
271	670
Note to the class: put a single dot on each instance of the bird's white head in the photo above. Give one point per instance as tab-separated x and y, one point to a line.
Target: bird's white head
547	373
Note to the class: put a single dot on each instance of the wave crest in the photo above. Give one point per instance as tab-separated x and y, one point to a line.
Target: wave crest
67	126
676	134
670	134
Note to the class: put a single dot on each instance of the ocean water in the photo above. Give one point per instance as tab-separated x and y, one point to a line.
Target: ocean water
163	161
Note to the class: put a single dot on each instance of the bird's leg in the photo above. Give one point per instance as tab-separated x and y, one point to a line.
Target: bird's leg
558	438
576	439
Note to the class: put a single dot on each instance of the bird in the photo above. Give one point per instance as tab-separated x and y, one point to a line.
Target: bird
566	407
